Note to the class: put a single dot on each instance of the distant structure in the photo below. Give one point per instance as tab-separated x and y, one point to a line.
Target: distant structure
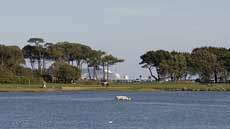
126	77
112	76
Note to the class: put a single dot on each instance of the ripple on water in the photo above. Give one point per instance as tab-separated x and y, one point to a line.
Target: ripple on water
99	110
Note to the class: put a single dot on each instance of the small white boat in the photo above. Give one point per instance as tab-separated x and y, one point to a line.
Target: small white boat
123	98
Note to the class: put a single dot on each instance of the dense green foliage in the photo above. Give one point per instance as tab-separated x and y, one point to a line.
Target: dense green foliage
66	59
11	59
65	73
209	64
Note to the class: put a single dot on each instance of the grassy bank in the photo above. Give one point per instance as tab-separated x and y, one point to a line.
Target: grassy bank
156	87
171	86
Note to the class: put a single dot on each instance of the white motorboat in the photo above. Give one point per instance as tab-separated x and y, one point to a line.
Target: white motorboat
123	98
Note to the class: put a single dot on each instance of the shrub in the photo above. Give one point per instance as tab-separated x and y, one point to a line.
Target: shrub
47	78
22	71
64	72
19	75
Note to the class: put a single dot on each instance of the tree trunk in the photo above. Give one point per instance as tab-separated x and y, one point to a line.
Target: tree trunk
158	73
78	64
95	72
39	59
151	73
107	72
171	77
44	64
103	66
215	77
88	71
32	63
81	65
39	65
185	76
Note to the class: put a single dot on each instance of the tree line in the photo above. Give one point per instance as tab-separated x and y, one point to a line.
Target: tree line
67	61
205	64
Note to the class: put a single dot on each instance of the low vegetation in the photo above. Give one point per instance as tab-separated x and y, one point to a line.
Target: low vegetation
169	86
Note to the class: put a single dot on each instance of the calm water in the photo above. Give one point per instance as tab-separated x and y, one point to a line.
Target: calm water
99	110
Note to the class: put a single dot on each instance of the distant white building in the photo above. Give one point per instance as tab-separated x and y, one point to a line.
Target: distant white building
126	77
112	76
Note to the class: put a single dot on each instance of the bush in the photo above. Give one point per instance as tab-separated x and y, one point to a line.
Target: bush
47	78
14	79
22	71
64	72
20	75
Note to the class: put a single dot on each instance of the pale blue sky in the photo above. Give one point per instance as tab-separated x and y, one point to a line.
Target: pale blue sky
125	28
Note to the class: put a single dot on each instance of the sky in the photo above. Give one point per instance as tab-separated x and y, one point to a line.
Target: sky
124	28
